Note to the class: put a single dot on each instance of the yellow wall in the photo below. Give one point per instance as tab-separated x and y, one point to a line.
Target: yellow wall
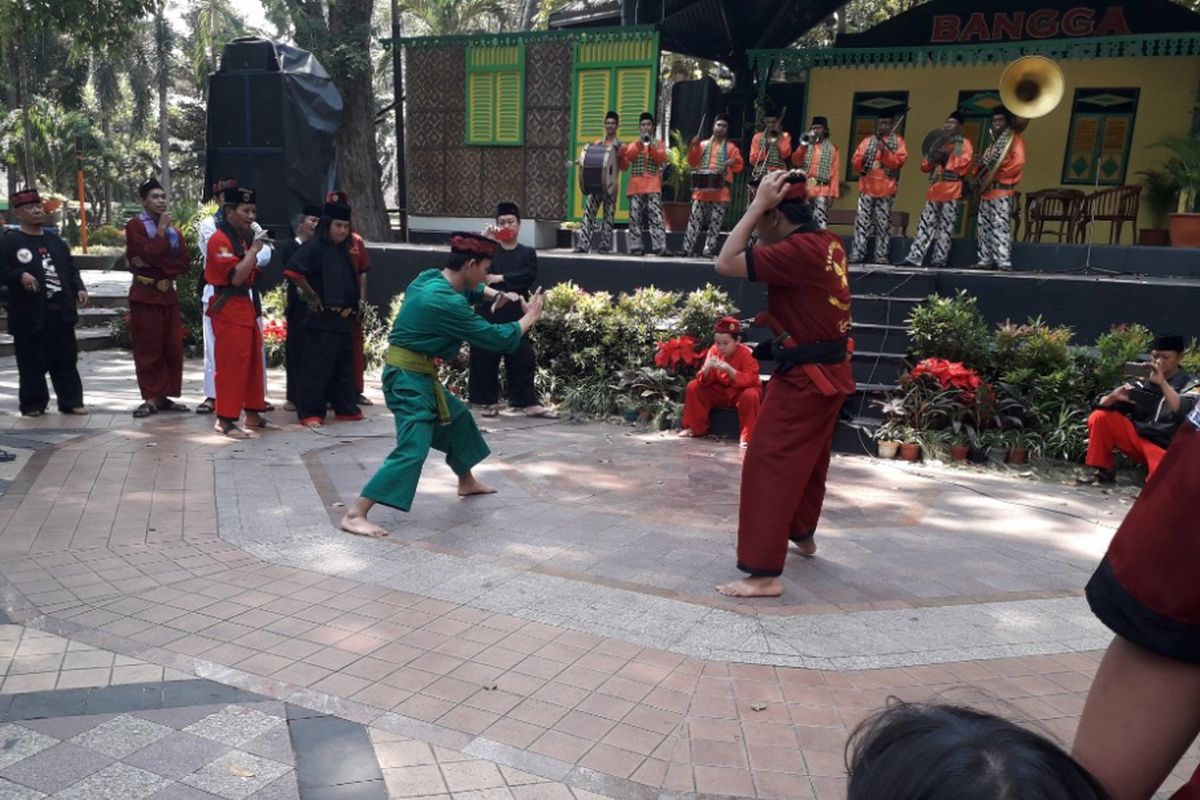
1168	94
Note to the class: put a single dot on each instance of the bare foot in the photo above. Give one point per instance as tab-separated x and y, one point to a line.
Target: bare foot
687	433
752	587
806	547
359	525
468	485
233	431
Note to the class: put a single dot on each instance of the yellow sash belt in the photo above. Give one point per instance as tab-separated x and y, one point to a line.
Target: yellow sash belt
403	358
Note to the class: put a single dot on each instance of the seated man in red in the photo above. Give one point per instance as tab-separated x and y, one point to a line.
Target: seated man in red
1140	417
728	378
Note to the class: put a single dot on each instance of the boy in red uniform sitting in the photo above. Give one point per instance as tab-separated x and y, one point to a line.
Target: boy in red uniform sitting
729	378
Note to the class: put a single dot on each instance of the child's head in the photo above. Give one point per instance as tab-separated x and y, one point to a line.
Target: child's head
931	752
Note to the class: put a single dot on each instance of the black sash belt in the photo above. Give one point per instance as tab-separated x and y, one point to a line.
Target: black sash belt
227	292
830	352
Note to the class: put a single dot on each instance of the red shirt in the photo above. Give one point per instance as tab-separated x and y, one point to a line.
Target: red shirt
218	269
742	360
155	253
358	254
808	291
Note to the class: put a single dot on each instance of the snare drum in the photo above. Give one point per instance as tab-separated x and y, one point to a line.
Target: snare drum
597	169
707	179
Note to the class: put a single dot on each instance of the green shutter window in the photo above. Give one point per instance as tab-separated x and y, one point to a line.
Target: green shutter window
496	94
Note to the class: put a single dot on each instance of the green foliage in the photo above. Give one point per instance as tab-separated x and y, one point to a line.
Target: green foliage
1035	346
1159	195
701	308
1120	344
951	328
677	171
1183	166
653	394
188	285
106	236
1191	358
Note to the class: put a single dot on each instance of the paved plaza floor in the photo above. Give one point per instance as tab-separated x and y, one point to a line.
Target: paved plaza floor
184	620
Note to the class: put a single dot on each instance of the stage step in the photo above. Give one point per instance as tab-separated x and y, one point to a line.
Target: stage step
885	280
872	367
875	336
882	309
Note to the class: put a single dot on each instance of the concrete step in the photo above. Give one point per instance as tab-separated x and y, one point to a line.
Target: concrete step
874	367
87	339
882	309
876	336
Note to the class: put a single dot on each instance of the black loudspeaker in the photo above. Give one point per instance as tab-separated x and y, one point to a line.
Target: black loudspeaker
273	113
691	102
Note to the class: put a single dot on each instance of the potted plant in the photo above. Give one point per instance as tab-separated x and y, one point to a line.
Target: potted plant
996	444
678	182
960	447
1159	196
1184	167
1023	443
910	449
888	437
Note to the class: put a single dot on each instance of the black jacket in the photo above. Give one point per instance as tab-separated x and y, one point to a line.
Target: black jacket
21	253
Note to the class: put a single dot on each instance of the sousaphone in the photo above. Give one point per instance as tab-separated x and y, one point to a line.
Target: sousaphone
1030	87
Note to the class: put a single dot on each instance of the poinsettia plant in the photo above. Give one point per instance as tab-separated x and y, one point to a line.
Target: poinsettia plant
950	375
678	354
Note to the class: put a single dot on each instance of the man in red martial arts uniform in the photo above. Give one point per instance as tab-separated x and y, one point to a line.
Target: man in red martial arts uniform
230	268
808	293
156	254
729	378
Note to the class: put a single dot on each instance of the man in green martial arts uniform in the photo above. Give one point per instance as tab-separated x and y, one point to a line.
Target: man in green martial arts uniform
437	315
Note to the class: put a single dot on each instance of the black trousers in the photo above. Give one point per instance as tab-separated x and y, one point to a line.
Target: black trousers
327	374
52	349
483	383
293	352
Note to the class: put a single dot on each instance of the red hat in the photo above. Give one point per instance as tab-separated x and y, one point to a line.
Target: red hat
23	198
728	325
225	183
338	197
797	187
473	244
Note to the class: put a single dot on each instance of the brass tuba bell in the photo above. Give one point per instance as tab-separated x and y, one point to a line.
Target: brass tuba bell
1031	87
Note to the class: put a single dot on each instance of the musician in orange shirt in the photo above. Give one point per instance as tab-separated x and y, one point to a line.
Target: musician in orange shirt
996	202
718	159
771	147
645	157
946	167
595	201
877	160
819	159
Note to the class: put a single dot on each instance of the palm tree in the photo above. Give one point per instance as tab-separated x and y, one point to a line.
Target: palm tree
214	24
443	17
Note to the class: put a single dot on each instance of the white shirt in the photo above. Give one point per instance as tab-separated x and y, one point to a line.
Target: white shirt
208	226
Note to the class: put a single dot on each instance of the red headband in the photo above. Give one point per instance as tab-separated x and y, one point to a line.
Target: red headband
728	325
473	244
797	190
24	197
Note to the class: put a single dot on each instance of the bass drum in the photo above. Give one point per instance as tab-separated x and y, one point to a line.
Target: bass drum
708	179
597	169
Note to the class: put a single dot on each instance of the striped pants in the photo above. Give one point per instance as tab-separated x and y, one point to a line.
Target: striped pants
995	232
873	220
935	227
704	213
648	207
588	227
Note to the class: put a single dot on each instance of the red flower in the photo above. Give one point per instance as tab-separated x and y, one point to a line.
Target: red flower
949	375
275	331
680	351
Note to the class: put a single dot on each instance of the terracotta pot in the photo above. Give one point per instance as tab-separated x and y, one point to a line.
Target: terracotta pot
910	451
1017	455
958	452
887	449
1185	230
675	216
1154	237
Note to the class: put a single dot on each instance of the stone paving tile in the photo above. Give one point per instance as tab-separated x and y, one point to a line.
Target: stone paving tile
599	660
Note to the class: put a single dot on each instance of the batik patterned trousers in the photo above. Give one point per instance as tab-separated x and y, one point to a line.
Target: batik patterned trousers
588	227
821	206
873	220
646	207
935	227
704	213
995	232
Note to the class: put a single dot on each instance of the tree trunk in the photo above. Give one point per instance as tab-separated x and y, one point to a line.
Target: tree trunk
28	167
106	190
162	46
359	173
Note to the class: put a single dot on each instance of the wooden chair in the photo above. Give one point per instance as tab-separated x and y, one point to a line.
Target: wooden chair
1052	205
1115	206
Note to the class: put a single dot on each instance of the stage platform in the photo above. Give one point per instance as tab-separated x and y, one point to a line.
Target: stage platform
1089	301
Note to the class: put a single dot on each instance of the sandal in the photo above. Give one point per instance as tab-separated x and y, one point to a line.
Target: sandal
265	425
233	432
171	405
269	406
144	410
206	407
363	400
76	412
490	411
32	413
6	456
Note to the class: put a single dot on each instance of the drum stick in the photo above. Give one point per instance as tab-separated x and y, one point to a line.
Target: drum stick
703	119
